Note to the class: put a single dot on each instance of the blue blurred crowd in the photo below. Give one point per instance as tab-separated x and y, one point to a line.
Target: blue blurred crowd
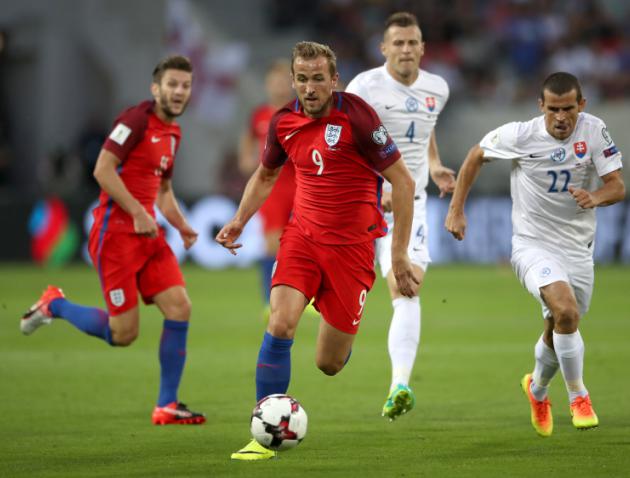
490	50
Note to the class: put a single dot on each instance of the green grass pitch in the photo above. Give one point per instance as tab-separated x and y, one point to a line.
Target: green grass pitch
74	407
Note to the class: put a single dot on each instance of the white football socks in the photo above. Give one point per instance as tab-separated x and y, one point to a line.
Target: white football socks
570	352
403	339
545	368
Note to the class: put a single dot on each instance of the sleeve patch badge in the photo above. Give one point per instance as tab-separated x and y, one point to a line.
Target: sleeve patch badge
120	133
611	151
379	135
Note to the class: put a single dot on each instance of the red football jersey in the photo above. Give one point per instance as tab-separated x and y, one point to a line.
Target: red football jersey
337	161
146	147
285	184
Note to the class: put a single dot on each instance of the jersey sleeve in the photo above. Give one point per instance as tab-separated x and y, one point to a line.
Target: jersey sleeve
371	137
606	156
274	155
128	131
501	143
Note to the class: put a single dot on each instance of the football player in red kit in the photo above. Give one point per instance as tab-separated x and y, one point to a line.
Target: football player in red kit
340	151
127	246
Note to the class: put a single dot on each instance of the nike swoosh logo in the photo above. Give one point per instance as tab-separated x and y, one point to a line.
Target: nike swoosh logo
290	135
355	322
537	155
389	107
155	139
177	413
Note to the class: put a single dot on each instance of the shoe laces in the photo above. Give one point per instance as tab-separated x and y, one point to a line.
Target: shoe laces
543	408
583	405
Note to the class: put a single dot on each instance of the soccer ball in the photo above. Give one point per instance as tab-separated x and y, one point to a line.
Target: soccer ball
278	422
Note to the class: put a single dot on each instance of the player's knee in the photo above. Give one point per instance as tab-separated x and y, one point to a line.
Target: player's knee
566	319
179	310
330	367
184	309
280	326
124	338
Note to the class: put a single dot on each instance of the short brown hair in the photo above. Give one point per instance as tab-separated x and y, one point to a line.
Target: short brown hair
310	50
173	62
560	83
401	19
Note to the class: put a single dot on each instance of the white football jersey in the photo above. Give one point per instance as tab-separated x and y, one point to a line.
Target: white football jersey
543	168
408	112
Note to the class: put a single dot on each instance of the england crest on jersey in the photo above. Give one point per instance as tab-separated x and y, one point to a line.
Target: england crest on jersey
117	296
430	102
580	149
332	134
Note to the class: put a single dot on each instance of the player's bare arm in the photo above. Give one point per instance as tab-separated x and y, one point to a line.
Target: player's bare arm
167	204
257	190
455	222
443	177
108	179
403	188
612	191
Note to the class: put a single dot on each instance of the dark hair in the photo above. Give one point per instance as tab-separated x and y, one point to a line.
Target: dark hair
560	83
310	50
401	19
174	62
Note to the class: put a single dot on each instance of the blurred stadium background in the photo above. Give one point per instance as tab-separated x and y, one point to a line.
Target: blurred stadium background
67	67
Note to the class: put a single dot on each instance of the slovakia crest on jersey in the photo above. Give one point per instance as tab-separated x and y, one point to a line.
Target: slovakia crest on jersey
430	102
332	134
580	149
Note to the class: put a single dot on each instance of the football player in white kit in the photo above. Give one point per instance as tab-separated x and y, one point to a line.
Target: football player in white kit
557	159
408	100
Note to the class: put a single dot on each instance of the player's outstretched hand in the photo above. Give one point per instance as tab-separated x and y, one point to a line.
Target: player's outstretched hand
228	234
455	223
144	224
584	198
444	178
188	235
406	279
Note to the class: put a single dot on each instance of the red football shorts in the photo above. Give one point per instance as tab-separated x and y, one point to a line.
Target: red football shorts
337	276
128	264
276	210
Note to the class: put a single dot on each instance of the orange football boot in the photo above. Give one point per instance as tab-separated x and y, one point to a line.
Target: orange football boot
39	313
176	413
582	413
542	420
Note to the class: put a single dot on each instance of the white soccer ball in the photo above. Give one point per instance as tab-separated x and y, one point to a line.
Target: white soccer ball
278	422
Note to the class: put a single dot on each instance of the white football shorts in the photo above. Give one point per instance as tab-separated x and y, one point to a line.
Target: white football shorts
418	249
537	266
